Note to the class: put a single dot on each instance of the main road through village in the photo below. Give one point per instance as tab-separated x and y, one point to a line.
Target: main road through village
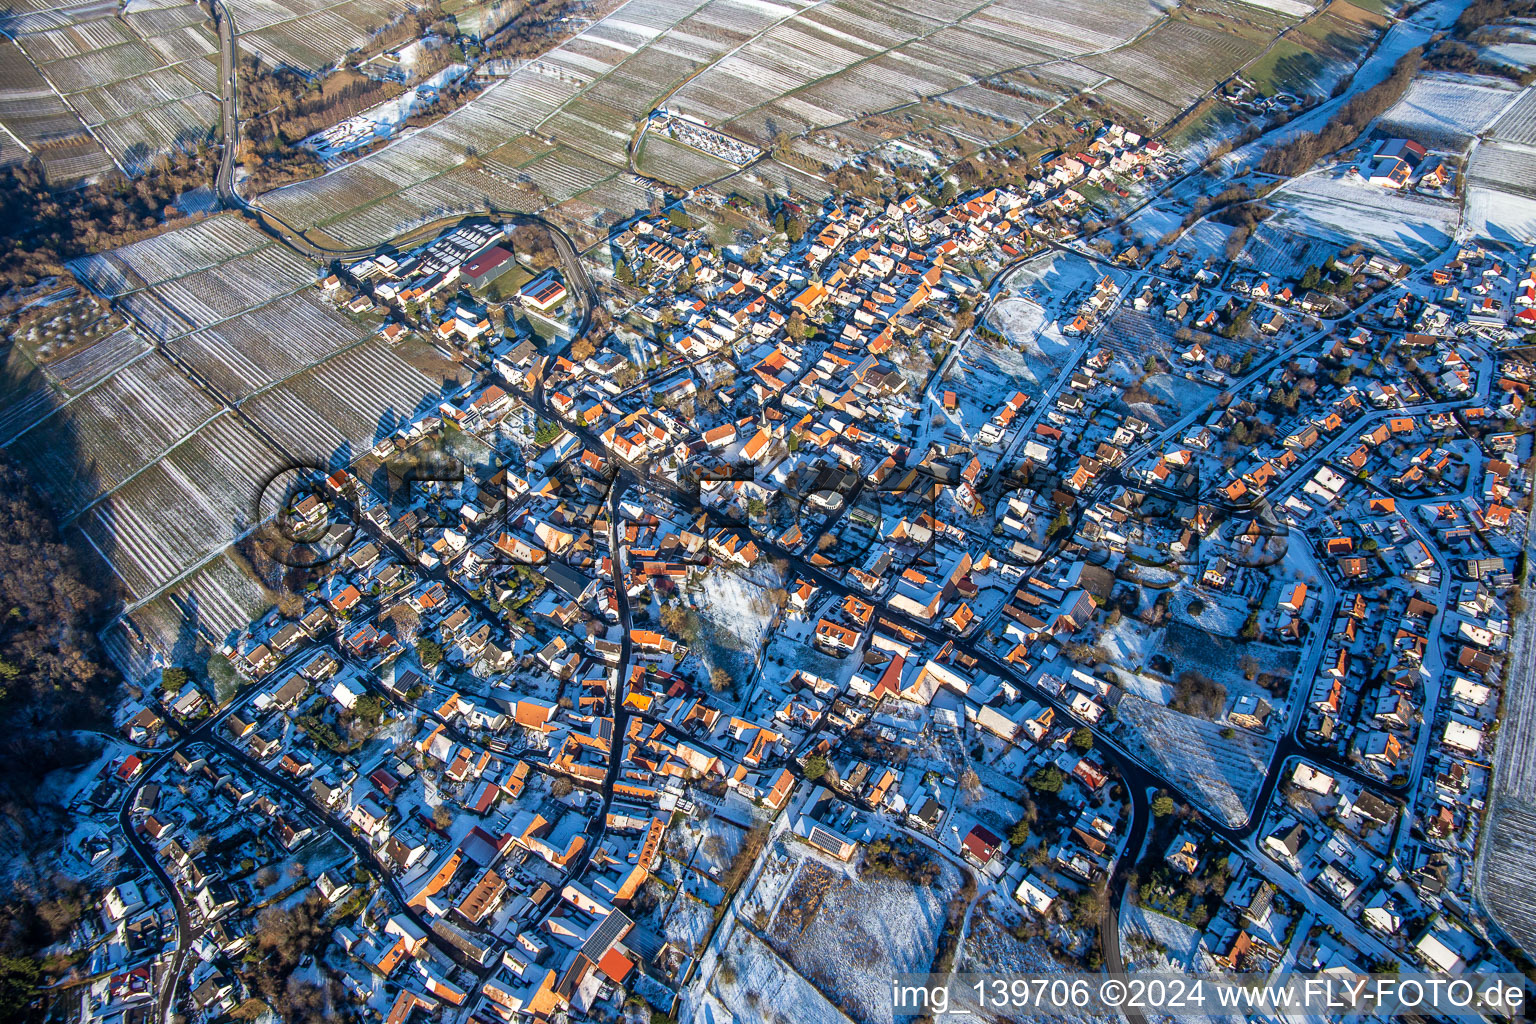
1138	778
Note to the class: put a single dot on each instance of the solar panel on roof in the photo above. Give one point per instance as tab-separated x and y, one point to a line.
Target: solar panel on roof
605	935
826	840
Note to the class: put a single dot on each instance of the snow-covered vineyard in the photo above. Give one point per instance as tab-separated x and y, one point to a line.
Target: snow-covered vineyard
157	454
944	489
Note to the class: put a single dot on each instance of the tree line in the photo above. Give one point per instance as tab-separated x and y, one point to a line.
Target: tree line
52	681
1358	111
42	226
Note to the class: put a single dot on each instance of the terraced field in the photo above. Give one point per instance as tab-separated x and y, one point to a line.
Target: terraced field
556	135
252	369
138	78
157	455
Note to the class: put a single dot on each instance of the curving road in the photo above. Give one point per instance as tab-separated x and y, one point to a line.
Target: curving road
229	120
1136	776
577	281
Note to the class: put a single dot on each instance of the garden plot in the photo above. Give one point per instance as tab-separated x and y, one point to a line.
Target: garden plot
851	937
1352	210
1153	222
688	922
1046	349
1202	639
96	442
1448	111
1222	776
1134	335
184	507
1132	644
771	880
1274	250
1058	280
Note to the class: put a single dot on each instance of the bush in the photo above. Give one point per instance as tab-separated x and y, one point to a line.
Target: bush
1306	149
903	860
1049	779
1199	695
429	652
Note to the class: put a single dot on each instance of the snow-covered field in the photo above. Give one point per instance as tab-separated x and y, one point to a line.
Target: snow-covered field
1024	323
851	938
1210	614
1516	54
1057	278
1152	942
762	987
1491	213
1352	210
688	921
1450	109
1177	397
1205	240
737	607
1222	775
1131	642
1142	929
1152	223
1295	8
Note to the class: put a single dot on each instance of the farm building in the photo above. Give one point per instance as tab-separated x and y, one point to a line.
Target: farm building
543	293
485	267
1395	162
